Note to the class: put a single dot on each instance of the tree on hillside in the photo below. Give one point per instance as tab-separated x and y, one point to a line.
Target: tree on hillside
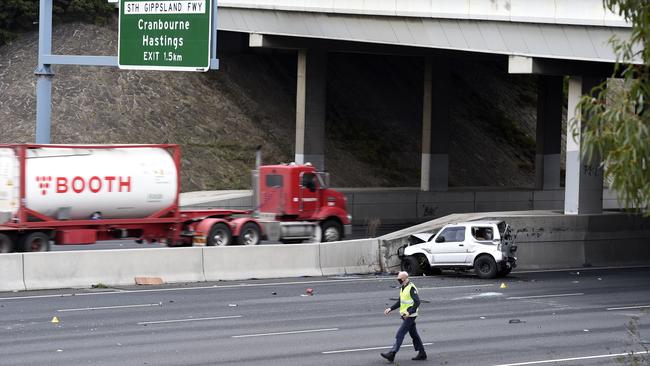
616	121
22	15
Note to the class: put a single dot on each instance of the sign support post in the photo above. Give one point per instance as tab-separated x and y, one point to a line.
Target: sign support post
44	72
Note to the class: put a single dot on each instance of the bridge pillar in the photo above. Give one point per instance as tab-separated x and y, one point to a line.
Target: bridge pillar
310	107
549	132
434	175
584	180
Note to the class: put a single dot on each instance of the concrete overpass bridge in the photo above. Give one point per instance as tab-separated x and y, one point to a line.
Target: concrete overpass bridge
550	38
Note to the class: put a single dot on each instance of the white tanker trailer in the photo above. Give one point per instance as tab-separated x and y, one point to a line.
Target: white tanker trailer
78	194
70	183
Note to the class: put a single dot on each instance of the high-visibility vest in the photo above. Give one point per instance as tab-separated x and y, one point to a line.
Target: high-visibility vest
405	299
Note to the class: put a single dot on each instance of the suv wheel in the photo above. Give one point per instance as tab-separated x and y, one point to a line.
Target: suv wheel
411	265
485	267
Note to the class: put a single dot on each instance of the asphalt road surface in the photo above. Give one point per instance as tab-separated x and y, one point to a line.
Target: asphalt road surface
543	318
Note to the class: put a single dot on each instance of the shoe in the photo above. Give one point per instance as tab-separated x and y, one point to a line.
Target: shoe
420	357
390	356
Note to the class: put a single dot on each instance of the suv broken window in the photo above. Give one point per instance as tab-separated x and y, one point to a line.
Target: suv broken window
482	233
453	234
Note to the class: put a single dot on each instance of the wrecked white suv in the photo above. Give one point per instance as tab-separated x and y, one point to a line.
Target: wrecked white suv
485	246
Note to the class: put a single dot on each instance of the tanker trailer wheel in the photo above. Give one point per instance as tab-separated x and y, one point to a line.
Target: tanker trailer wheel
331	231
249	234
220	235
6	243
36	242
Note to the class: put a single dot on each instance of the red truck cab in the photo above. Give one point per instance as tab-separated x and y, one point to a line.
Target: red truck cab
295	192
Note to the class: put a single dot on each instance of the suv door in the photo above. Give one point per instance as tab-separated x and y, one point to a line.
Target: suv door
449	246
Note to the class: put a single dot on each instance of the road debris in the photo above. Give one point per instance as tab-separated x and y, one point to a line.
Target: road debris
148	281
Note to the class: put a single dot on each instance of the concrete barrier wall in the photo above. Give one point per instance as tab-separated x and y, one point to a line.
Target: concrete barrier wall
357	256
11	272
33	271
115	267
554	241
565	241
263	261
550	255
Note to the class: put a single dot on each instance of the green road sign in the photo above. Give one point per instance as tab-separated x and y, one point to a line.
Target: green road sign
165	35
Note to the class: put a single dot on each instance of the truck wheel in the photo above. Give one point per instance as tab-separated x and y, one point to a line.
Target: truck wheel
411	265
6	244
331	231
220	235
485	267
249	234
36	242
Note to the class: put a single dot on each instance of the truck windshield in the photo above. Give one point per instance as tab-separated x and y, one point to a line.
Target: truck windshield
322	180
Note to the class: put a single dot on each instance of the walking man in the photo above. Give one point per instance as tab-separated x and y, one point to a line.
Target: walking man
408	305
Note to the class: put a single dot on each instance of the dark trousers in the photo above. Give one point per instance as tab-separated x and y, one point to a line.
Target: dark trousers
408	326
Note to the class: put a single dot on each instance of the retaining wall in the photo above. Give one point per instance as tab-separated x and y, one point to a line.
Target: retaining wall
410	205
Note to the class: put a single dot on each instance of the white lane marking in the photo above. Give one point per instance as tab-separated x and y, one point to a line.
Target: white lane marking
571	359
448	287
479	296
629	307
59	295
190	320
544	296
110	307
368	349
283	333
